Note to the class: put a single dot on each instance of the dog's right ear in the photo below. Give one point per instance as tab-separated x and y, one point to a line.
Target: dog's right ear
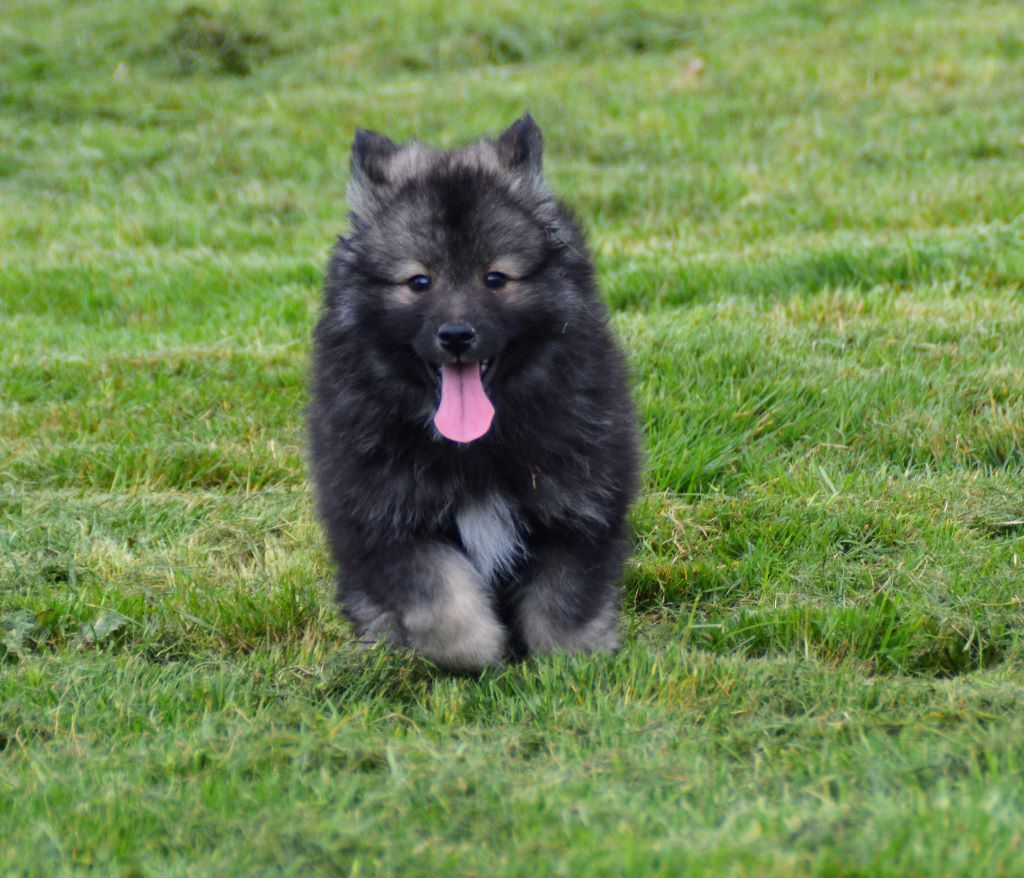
371	157
371	153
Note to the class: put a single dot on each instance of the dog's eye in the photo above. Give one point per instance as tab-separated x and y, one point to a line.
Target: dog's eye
418	283
495	280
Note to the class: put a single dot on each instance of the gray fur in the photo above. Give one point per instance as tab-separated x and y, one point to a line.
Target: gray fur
456	626
543	633
490	535
548	612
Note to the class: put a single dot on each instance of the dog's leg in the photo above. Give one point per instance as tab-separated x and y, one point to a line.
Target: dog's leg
570	602
428	597
372	621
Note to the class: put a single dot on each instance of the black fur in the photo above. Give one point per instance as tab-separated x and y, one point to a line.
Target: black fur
558	468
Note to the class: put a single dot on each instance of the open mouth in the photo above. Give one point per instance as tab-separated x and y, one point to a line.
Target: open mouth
464	412
485	369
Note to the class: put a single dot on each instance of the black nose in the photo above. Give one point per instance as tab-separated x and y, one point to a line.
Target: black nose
456	337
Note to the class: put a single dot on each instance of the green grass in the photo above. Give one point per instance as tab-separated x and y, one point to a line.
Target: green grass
814	250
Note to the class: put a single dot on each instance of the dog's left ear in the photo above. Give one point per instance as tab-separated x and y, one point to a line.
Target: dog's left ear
520	147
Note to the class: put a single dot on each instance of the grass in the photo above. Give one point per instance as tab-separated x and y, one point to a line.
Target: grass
813	244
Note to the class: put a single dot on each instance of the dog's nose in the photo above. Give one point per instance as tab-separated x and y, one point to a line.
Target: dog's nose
456	338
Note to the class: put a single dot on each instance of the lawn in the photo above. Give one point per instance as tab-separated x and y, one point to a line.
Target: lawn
808	218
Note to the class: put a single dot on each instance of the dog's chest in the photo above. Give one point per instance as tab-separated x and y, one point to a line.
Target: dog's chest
490	534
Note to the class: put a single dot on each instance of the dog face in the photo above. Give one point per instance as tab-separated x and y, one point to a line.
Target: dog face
458	272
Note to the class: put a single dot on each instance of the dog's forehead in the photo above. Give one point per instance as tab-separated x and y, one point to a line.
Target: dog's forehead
414	161
462	214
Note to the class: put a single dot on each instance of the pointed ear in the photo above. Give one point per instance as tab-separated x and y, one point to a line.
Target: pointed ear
371	153
520	146
370	163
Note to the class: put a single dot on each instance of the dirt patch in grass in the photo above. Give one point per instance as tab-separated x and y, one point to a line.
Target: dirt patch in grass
210	43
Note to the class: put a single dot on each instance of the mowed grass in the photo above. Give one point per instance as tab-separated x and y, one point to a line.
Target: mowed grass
808	220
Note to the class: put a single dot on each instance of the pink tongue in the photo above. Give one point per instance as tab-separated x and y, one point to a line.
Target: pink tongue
465	412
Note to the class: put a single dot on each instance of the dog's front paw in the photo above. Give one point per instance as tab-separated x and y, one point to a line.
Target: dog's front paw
547	627
456	627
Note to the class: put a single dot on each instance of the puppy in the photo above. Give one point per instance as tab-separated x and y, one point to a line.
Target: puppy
473	444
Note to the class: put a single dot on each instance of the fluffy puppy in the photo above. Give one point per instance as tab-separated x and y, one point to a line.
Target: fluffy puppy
473	444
